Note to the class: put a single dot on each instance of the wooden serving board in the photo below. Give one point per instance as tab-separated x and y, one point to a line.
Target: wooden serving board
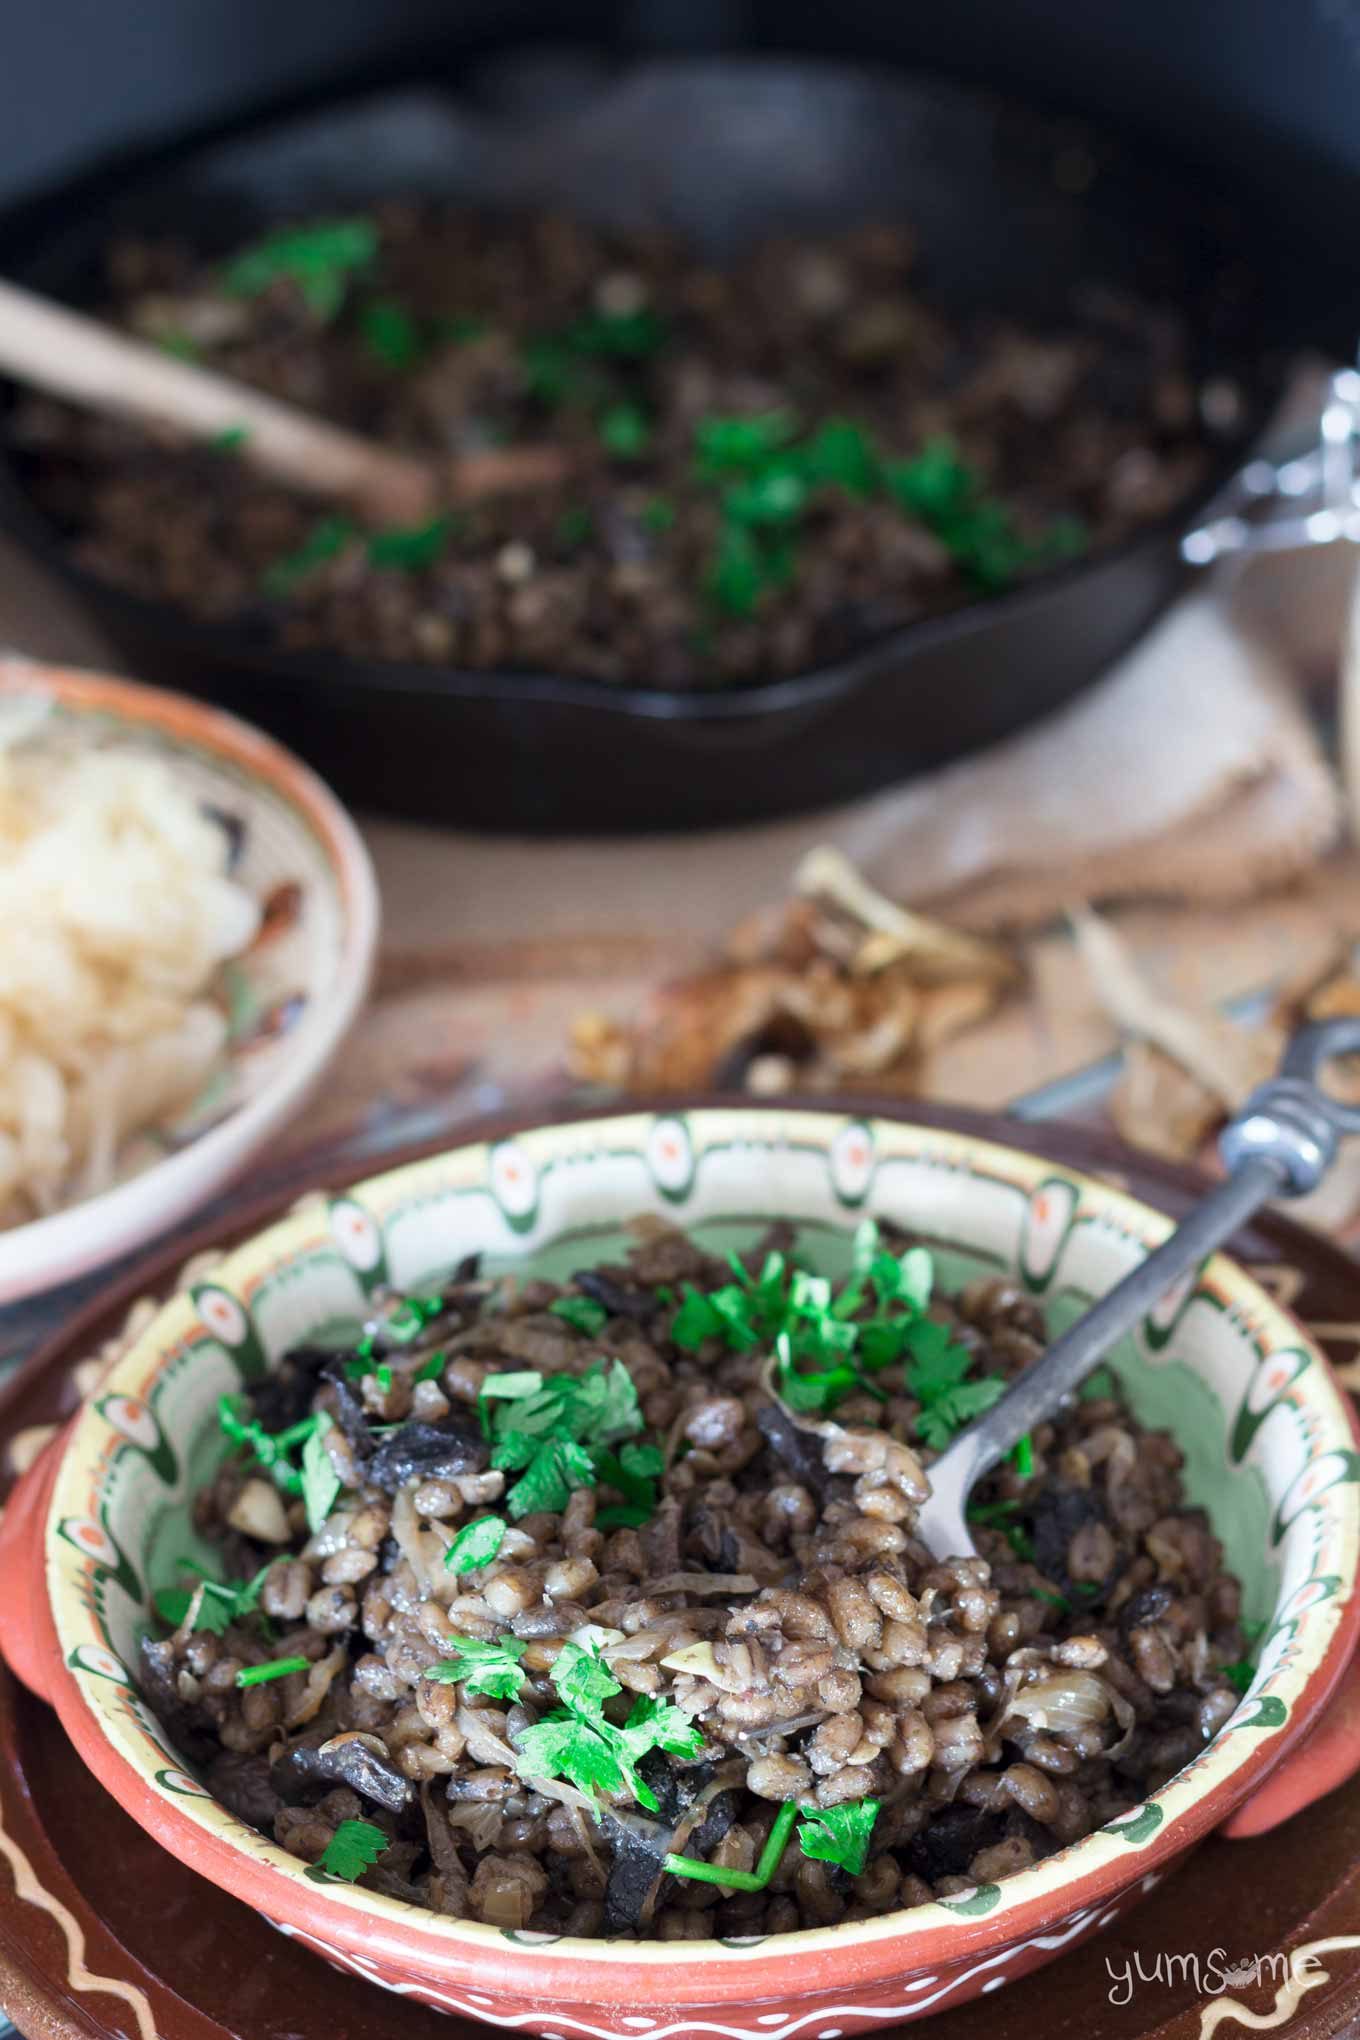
103	1934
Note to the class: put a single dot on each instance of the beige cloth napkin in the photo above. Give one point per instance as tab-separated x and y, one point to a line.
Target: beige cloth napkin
1190	772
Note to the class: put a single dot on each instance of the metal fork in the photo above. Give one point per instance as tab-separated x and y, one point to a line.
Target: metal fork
1281	1144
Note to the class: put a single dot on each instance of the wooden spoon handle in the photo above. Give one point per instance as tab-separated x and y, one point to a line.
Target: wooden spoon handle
71	356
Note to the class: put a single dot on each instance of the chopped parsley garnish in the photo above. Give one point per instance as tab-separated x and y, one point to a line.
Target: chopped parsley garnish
1001	1516
550	1430
625	431
830	1345
938	488
727	446
320	259
574	527
391	335
182	346
1243	1672
232	440
272	1449
769	472
412	547
401	1327
325	541
490	1668
553	1469
1022	1458
840	452
581	1311
578	1742
937	1376
431	1369
621	336
744	565
277	1668
524	1381
355	1847
992	1513
839	1834
320	1481
634	1471
223	1602
658	515
476	1544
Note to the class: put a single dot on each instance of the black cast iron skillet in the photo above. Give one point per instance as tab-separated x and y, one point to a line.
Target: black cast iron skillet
1015	210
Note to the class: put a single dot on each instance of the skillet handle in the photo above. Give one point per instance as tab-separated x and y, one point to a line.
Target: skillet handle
1328	1756
22	1585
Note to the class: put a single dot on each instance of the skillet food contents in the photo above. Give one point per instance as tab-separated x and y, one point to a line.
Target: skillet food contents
118	911
596	1608
765	466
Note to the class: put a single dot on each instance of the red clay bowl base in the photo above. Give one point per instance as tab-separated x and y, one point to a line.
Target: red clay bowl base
765	1999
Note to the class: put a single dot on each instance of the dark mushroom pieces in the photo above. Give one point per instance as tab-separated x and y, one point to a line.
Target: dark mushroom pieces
697	1804
420	1451
611	1296
360	1761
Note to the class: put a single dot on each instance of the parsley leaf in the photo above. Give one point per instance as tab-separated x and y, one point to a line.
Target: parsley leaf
625	431
320	1481
355	1847
411	547
276	1668
839	1834
511	1387
326	539
695	1321
476	1544
578	1742
583	1679
391	335
725	446
581	1311
272	1449
936	1375
490	1668
319	259
554	1430
224	1601
556	1469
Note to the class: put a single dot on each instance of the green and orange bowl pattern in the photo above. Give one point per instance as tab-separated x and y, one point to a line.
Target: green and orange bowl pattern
1268	1450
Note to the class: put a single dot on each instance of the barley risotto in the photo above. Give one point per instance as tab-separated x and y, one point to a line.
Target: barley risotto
596	1607
761	468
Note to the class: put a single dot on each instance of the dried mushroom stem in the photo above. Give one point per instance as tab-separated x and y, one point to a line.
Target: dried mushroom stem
826	874
1224	1058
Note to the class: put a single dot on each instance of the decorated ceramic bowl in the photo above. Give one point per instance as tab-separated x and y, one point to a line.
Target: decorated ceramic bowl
99	1523
289	1000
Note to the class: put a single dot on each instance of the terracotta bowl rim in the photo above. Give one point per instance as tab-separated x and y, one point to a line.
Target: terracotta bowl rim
371	1926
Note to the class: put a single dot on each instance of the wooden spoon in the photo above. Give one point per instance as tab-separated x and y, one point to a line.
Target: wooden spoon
71	356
